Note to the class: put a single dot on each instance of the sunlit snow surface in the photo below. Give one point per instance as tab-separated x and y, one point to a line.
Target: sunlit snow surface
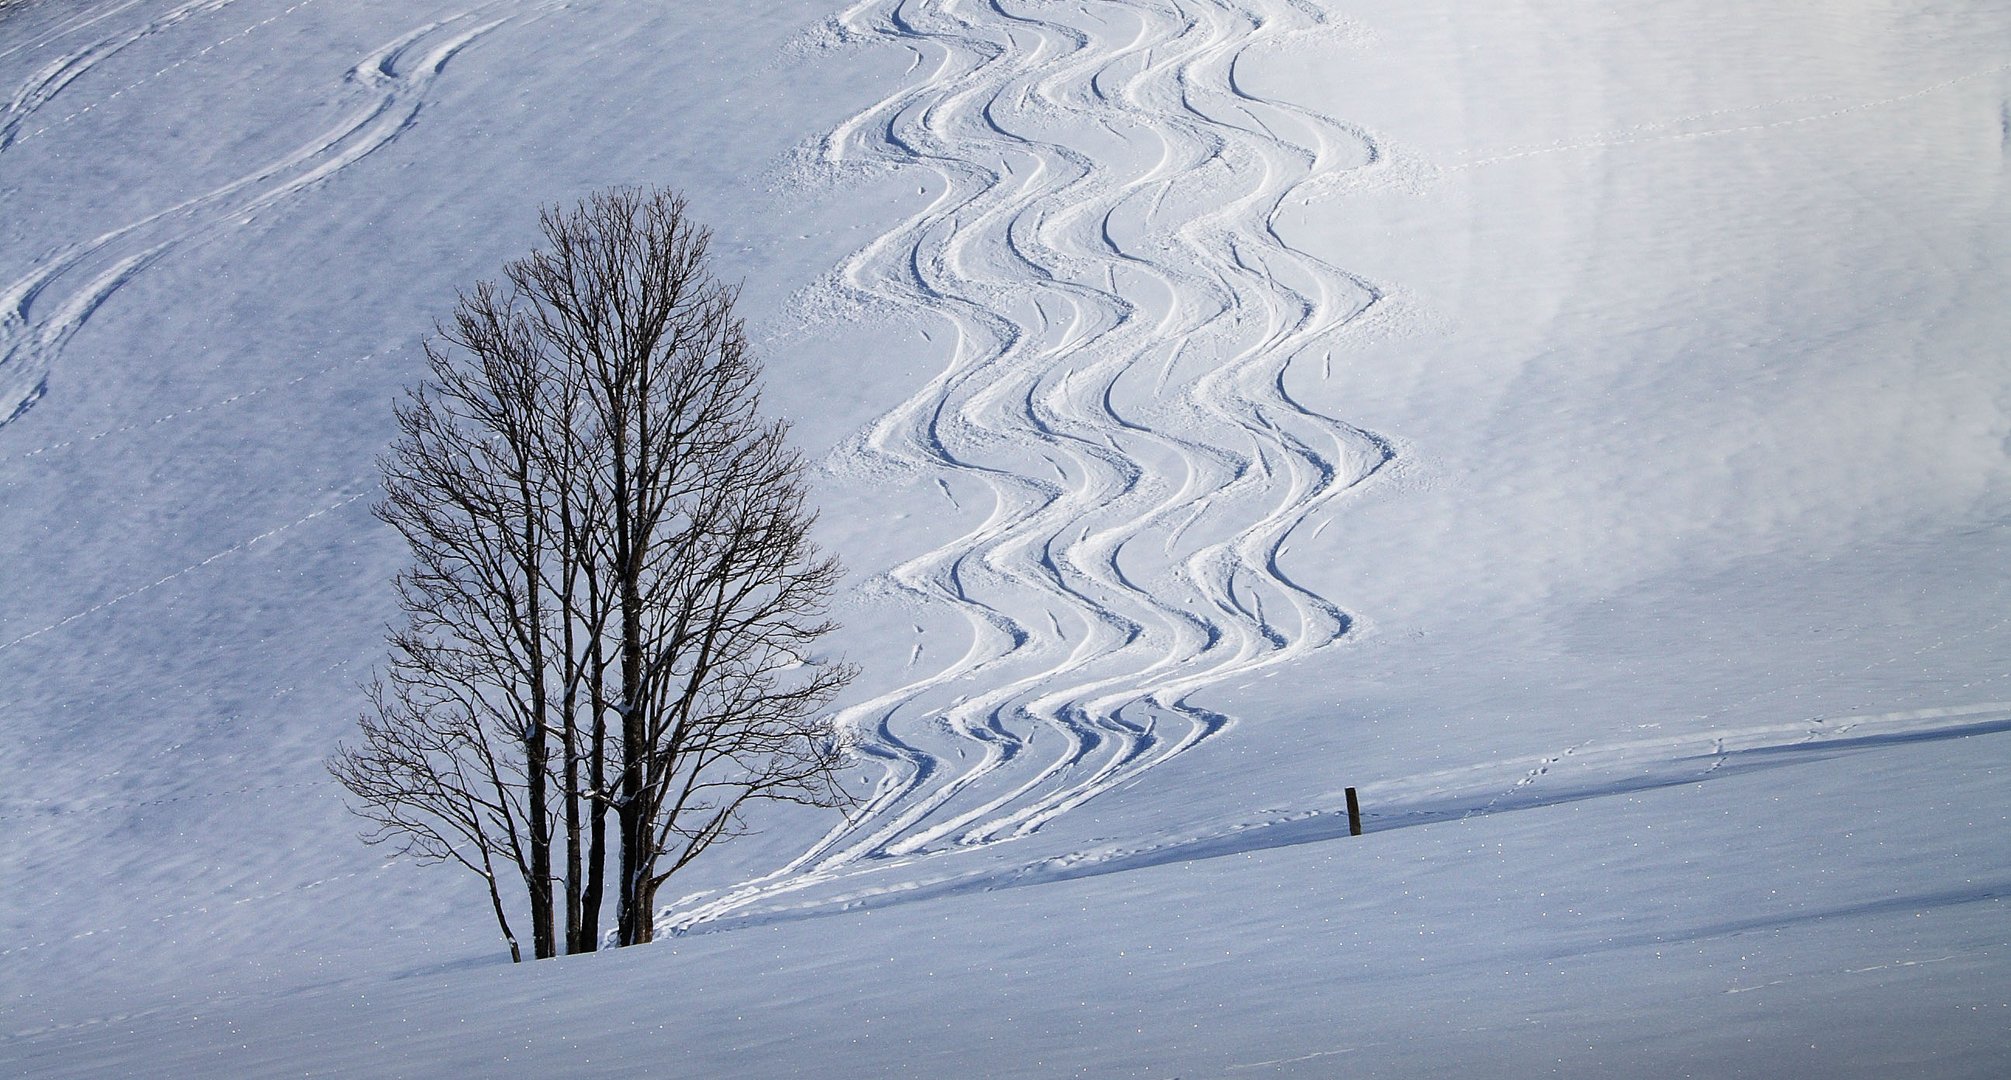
1581	428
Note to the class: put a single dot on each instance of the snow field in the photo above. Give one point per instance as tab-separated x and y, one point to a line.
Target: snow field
1583	431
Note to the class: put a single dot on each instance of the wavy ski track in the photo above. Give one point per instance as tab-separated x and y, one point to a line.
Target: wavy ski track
42	310
1124	312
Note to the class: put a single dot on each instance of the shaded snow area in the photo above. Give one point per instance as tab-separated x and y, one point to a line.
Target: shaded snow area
1581	428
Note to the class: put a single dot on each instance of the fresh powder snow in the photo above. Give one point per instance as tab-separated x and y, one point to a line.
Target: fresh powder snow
1584	430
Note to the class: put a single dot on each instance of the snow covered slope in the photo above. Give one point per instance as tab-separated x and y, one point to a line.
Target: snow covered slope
1582	428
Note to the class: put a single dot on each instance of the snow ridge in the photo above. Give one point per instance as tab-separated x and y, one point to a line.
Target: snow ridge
1124	310
1592	770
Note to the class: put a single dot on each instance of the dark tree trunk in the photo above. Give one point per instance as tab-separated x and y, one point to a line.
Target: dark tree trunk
613	601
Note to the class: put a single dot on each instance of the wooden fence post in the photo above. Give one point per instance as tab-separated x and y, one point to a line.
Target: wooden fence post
1354	814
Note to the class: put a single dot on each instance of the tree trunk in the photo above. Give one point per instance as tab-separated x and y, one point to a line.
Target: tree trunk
632	806
587	493
573	853
592	896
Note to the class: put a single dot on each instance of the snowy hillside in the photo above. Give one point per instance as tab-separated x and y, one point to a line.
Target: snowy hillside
1583	429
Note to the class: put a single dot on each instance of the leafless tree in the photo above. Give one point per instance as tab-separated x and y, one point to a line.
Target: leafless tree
614	602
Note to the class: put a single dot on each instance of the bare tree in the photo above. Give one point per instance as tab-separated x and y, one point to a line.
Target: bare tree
614	602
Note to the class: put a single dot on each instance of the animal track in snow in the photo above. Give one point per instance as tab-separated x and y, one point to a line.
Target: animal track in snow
189	569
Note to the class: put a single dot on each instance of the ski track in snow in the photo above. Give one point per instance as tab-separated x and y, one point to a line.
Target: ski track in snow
1123	310
43	309
55	76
